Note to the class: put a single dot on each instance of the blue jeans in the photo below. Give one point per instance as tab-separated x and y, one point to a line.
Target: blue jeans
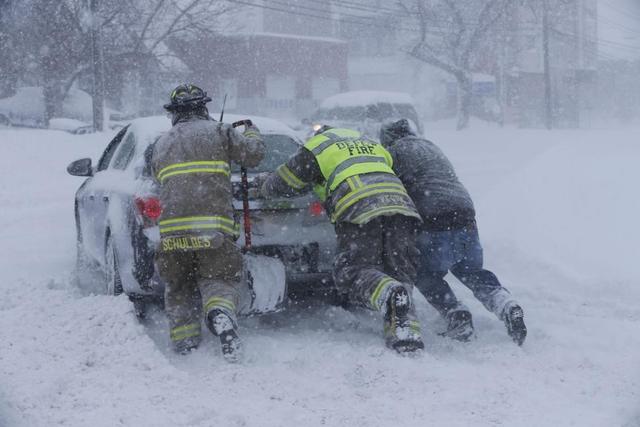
460	252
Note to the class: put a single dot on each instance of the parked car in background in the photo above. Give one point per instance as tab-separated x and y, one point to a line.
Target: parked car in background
116	211
365	111
26	109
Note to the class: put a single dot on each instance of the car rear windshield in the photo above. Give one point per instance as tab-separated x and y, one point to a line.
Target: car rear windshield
279	149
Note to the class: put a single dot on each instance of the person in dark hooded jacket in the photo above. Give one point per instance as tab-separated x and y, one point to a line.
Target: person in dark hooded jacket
448	239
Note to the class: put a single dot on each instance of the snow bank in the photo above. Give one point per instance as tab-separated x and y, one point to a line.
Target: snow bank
76	360
27	107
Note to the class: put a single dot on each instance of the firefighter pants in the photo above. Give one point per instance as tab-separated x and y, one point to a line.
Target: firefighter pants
375	257
197	282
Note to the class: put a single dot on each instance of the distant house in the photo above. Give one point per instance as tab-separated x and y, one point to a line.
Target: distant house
280	75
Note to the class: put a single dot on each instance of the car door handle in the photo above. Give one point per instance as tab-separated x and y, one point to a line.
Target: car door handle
92	197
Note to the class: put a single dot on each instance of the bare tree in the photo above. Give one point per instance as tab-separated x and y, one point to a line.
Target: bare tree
66	39
450	35
140	39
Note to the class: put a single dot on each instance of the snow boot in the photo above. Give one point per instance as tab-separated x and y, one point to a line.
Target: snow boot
224	328
460	325
401	327
513	318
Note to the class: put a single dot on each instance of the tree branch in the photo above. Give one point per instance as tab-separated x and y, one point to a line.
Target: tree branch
147	24
177	19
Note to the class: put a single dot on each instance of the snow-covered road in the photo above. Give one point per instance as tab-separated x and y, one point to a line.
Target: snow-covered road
558	214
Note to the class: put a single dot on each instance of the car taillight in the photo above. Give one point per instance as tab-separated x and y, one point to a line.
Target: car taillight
149	207
316	209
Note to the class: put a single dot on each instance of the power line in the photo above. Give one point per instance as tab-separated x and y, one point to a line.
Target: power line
365	20
620	26
362	7
369	22
622	12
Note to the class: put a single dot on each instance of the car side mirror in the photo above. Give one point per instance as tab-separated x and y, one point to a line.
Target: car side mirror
80	167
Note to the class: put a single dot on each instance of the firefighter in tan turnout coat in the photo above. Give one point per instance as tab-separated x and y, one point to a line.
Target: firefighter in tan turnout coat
198	258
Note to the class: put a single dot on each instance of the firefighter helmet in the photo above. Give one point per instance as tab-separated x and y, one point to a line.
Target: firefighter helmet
186	97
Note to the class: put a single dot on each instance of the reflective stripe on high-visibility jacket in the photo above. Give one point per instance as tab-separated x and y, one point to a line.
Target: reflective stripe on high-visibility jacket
289	177
363	191
197	223
217	302
214	166
343	153
184	332
385	210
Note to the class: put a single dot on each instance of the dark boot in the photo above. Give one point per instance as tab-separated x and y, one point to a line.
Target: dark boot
513	318
224	328
186	345
401	327
460	325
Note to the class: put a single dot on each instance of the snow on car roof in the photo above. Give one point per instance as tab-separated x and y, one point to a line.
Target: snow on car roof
265	124
152	127
365	97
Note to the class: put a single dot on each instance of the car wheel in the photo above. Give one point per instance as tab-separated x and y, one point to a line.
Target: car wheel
139	306
113	283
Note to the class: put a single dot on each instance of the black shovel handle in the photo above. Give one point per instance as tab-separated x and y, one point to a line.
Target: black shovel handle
245	194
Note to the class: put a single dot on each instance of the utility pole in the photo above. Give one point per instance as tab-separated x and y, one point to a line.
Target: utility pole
548	106
8	68
98	69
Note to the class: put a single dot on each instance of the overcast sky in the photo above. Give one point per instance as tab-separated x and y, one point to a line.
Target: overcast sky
619	28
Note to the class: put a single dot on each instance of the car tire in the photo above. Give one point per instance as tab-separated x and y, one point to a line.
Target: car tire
112	280
4	121
139	306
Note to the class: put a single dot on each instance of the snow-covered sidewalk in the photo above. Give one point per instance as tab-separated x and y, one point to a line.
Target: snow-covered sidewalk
558	216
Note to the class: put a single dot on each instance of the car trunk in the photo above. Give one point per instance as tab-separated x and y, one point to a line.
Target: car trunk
291	229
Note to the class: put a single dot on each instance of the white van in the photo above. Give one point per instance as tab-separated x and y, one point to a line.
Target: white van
365	111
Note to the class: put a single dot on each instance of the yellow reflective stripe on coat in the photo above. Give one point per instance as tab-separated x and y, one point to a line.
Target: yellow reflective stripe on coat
214	166
385	210
318	143
220	223
366	191
289	177
343	153
224	303
378	290
186	331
